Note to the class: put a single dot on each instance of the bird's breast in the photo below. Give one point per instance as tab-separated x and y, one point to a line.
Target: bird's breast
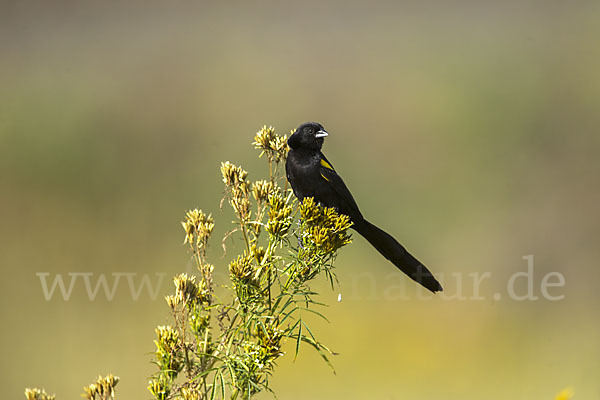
303	174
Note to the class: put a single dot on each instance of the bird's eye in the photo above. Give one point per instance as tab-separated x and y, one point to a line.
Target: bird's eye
311	130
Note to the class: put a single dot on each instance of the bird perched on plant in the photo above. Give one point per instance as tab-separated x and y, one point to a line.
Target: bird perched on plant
311	175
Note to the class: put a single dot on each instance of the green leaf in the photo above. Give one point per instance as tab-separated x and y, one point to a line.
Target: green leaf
319	349
220	374
298	339
213	389
309	331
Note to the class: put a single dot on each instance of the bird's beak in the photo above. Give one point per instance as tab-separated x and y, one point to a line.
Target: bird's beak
321	133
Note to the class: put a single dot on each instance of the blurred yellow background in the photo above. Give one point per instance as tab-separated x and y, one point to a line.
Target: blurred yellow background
469	130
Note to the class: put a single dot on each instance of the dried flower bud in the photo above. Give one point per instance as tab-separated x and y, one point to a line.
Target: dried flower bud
185	287
241	268
258	253
198	227
262	189
168	350
159	387
269	340
240	201
271	144
264	138
326	230
168	339
173	301
232	174
104	388
38	394
191	393
279	216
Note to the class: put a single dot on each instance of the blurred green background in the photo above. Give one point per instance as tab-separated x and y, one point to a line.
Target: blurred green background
469	130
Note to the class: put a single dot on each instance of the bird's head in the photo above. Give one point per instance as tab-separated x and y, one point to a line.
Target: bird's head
309	135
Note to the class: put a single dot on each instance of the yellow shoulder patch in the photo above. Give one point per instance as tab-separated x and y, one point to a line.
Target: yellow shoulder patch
323	176
326	164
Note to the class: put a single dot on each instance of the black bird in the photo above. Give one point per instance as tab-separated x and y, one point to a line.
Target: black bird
311	175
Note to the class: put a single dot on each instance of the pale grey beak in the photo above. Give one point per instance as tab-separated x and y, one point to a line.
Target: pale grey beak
321	134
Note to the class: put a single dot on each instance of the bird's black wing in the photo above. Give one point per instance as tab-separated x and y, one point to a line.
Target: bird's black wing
345	202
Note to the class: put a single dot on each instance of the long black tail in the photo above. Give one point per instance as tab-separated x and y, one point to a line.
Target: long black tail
397	254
